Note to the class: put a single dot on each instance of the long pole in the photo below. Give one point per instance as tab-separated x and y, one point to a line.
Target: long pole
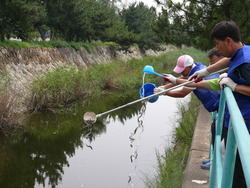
156	94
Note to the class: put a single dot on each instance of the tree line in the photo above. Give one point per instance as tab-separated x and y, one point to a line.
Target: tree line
78	21
189	22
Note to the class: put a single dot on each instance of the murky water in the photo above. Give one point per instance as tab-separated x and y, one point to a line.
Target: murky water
61	151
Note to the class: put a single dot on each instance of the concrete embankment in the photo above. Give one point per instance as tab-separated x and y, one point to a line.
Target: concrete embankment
195	177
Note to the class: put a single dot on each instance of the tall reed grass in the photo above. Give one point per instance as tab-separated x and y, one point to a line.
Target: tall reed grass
8	103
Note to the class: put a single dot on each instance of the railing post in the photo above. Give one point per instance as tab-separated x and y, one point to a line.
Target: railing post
229	163
214	173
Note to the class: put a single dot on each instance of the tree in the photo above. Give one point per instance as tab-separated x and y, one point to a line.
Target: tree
139	20
38	15
104	16
81	20
69	20
171	33
120	34
18	18
196	18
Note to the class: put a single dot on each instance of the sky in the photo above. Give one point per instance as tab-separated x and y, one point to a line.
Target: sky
147	2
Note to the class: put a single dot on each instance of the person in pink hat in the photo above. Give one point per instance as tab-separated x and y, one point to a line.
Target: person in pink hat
184	65
187	67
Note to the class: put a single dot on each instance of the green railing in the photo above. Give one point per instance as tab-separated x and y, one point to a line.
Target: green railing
221	173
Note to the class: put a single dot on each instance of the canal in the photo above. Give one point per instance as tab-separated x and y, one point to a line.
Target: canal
119	150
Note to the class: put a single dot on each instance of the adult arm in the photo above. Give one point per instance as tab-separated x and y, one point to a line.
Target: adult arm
173	93
243	89
221	64
202	84
243	72
179	93
180	80
169	85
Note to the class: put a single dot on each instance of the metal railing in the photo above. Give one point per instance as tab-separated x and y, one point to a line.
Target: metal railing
222	171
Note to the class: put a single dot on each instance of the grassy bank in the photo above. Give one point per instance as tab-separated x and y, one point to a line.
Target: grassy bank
172	164
53	44
66	84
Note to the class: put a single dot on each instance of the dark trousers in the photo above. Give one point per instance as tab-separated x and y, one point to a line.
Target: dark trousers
213	131
239	178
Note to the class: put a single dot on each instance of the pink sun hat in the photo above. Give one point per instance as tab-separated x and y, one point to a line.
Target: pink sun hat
183	62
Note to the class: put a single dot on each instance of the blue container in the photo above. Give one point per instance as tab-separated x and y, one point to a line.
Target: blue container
148	89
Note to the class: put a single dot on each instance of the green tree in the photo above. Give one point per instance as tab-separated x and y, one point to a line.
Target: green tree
139	19
69	20
171	33
120	34
104	16
194	19
39	17
19	17
81	20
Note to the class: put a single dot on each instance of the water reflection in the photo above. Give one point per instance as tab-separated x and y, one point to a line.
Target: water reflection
39	155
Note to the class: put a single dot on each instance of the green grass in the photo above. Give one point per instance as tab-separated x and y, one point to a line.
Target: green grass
56	43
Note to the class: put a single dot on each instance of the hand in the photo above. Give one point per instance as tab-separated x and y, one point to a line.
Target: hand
223	75
199	75
159	89
169	78
228	82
